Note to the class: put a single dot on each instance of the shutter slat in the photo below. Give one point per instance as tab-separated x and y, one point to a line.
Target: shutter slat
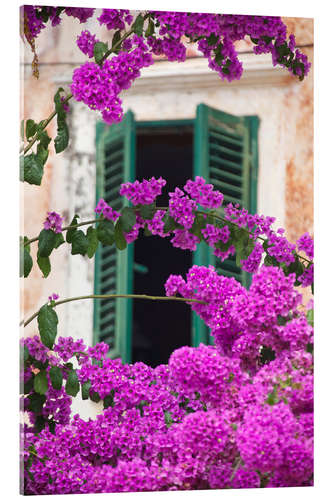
221	136
223	163
222	150
223	174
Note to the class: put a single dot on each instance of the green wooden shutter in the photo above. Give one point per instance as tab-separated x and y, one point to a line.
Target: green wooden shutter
115	160
225	154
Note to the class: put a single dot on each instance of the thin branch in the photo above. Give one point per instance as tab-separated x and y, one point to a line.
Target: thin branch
113	296
65	228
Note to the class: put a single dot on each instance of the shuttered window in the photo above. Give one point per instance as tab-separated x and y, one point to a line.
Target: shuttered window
225	154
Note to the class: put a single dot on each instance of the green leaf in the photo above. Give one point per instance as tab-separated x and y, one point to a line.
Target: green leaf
80	243
310	317
127	219
85	389
115	40
70	232
272	397
44	138
150	29
105	232
137	26
47	325
94	396
59	240
270	261
36	402
26	354
28	386
119	237
170	224
62	139
33	169
40	423
40	382
147	211
44	265
92	241
51	424
26	265
72	386
147	231
312	288
108	400
168	419
42	153
99	50
30	128
55	374
212	39
59	107
46	242
197	226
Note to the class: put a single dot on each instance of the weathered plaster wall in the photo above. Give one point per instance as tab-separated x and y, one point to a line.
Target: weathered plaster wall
285	190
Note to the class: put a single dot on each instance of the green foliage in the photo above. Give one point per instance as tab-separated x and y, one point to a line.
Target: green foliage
92	241
119	237
150	29
272	397
310	317
108	400
106	232
127	219
80	243
168	419
47	325
198	224
36	402
94	396
147	211
62	138
85	389
40	382
116	38
33	169
44	265
138	25
72	386
99	50
56	377
25	261
170	224
70	232
59	240
30	128
46	242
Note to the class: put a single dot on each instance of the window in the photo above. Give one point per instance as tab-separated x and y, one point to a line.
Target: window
218	146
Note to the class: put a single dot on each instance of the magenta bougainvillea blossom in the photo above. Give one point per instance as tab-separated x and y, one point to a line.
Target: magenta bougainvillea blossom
53	221
164	33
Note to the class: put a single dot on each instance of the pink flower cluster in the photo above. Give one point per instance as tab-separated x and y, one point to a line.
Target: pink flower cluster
203	193
53	221
86	42
115	19
142	193
99	86
102	208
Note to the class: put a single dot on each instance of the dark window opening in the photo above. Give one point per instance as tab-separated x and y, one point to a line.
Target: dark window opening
161	327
